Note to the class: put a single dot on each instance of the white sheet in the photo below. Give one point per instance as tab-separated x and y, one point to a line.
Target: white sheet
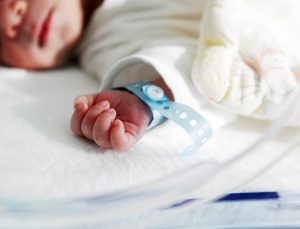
40	157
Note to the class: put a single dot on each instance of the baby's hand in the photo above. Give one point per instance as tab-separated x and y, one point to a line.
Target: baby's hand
112	119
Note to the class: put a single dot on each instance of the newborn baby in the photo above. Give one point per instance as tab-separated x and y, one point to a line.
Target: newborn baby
125	41
37	34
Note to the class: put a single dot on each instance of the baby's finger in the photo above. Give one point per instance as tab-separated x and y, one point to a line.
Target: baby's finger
90	117
76	120
102	127
81	104
119	138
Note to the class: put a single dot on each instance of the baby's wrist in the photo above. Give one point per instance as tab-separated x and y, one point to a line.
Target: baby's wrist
152	96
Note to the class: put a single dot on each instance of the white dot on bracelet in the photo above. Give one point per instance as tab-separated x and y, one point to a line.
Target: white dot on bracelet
183	115
200	132
193	122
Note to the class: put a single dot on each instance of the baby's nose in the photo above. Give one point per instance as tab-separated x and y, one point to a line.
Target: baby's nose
14	17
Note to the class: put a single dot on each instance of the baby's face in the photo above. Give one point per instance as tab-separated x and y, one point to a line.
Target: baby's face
38	34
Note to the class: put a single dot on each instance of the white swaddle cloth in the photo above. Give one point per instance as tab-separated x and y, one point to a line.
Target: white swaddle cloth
239	64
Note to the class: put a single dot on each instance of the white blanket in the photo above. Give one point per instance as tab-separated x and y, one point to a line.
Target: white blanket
40	157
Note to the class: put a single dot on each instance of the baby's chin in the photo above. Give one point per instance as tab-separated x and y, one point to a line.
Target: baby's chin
39	67
59	61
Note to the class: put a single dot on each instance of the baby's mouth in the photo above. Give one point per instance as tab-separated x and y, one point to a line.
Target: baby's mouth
45	30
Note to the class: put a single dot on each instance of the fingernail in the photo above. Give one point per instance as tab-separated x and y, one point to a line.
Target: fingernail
111	111
105	104
116	123
80	106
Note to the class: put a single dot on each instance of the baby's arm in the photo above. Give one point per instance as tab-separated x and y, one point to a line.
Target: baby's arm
113	118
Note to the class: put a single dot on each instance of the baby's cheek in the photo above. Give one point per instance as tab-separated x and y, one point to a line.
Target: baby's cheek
31	59
12	56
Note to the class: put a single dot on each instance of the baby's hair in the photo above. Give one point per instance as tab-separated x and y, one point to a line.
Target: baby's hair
2	64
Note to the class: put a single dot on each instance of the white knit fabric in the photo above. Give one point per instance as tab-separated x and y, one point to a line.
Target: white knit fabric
240	55
240	65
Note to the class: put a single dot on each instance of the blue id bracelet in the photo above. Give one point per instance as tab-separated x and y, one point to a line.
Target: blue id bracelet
163	108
